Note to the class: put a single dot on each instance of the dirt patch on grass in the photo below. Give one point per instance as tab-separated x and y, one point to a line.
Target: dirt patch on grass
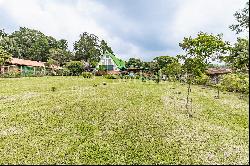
10	131
13	98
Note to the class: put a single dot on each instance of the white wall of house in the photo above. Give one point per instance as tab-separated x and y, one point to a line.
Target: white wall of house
107	60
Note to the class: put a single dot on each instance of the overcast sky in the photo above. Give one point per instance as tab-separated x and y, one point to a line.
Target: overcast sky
133	28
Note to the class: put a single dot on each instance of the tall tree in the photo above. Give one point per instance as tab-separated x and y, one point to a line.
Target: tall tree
242	18
164	61
87	49
173	70
200	51
239	55
205	47
134	62
2	33
61	56
31	44
105	48
4	56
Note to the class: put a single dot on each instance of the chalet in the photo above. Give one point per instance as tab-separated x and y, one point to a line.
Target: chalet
111	64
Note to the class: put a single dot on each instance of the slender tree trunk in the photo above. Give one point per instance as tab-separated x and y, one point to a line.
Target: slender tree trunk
187	103
218	89
189	87
218	92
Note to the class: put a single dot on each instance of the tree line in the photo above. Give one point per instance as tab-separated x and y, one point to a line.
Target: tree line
200	51
32	44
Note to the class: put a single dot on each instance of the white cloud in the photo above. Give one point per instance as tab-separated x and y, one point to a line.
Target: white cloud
213	16
68	20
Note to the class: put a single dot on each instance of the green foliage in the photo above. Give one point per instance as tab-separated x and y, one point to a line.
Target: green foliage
2	33
154	67
205	46
200	51
87	75
239	56
242	18
61	56
146	65
75	67
164	61
203	79
194	67
133	62
105	48
4	56
51	62
110	76
11	74
89	49
31	44
86	48
172	70
235	83
65	71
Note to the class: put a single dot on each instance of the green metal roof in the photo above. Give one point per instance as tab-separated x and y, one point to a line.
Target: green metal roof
119	63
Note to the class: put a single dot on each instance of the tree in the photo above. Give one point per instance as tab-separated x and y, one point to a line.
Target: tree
146	65
4	56
134	62
200	51
2	33
172	70
105	48
31	44
87	49
75	67
242	18
239	55
164	61
205	46
60	55
154	67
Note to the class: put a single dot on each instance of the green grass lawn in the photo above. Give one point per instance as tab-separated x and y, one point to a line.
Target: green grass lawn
123	122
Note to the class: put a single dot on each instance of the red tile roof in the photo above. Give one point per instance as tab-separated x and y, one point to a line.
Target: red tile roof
16	61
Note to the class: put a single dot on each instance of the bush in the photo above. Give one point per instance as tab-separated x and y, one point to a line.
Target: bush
87	75
11	74
100	73
235	83
202	80
65	72
126	77
110	76
75	67
137	77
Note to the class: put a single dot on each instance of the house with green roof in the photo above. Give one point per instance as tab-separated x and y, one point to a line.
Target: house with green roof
110	62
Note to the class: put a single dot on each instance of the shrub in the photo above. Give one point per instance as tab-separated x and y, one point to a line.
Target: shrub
75	67
65	72
100	73
202	80
137	77
53	89
11	74
110	76
87	75
126	77
235	83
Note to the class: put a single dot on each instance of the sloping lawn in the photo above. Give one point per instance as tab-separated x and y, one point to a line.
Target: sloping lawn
123	122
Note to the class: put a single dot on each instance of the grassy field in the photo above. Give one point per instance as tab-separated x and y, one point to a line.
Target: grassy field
123	122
